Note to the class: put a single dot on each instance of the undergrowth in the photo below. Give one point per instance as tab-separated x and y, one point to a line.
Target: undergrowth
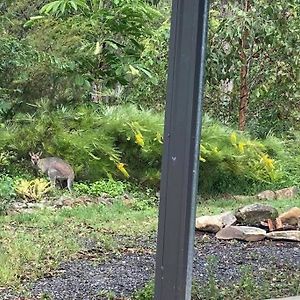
125	143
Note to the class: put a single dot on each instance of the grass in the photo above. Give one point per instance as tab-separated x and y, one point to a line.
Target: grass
216	206
34	244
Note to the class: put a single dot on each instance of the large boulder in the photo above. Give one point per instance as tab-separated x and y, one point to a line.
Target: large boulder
290	235
216	222
254	214
244	233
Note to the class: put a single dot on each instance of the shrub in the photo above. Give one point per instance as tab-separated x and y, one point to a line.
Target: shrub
110	187
7	192
99	142
233	162
33	190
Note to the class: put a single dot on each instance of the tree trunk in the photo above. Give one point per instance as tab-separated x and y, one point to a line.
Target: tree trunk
244	89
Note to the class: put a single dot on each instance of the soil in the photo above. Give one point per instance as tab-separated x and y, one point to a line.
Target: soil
123	272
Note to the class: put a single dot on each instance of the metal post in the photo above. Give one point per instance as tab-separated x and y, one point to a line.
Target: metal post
181	150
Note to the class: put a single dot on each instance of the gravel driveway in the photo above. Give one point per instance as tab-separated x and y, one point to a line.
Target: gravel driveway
132	268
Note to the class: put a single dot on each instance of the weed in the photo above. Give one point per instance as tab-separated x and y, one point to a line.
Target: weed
145	293
107	295
111	187
7	192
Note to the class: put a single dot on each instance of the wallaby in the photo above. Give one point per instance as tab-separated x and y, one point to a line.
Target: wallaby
54	167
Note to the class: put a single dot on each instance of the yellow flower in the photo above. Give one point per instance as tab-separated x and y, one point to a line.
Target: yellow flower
241	147
121	167
233	138
139	139
159	138
268	162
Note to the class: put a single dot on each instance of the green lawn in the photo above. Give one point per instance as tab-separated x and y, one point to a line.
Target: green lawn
32	244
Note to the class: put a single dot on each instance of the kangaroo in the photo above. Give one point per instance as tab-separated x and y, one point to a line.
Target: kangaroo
54	167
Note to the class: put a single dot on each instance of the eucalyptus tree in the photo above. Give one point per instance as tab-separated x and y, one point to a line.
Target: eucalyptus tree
253	68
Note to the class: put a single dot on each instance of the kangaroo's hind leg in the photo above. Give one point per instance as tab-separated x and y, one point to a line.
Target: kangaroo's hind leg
52	177
69	184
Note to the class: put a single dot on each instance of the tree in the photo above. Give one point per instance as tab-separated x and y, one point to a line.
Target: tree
253	63
81	47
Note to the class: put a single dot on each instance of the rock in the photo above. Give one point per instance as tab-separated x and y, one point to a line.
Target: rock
31	205
39	205
209	223
287	193
243	197
255	213
18	205
67	202
244	233
216	222
291	235
228	218
266	195
59	202
290	217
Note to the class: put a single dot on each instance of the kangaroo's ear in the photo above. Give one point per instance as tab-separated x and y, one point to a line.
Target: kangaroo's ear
40	153
30	154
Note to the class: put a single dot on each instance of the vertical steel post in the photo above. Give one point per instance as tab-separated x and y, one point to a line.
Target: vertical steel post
181	150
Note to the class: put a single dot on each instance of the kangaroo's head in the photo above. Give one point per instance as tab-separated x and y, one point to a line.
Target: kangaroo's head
35	157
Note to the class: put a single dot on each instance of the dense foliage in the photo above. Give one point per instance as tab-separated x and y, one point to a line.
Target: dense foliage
253	64
85	80
126	143
79	51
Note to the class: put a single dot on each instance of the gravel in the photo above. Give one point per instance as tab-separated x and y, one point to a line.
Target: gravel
125	272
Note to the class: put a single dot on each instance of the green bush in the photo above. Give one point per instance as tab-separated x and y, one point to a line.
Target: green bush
290	160
124	142
99	142
233	162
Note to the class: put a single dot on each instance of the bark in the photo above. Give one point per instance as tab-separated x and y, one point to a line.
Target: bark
244	88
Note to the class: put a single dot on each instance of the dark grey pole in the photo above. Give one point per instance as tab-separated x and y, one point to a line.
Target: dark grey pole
179	178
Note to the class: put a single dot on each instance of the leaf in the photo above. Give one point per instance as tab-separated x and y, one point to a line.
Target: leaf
52	6
145	71
32	20
98	48
112	44
134	71
74	5
62	7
